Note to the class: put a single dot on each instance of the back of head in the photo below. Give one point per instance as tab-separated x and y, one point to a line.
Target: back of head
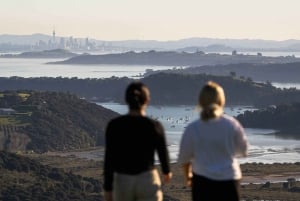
137	95
211	100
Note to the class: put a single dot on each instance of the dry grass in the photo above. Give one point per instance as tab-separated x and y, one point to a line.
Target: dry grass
177	189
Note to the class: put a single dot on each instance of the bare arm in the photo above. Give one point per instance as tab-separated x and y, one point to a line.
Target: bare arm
188	173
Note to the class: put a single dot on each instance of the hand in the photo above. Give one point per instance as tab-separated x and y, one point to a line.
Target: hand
188	173
167	177
188	181
108	196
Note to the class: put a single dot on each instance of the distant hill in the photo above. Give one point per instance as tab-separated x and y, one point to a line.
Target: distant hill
280	72
173	58
55	53
284	117
184	89
166	89
209	48
237	44
26	179
50	121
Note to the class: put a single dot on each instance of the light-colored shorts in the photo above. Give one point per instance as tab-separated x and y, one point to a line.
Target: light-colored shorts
145	186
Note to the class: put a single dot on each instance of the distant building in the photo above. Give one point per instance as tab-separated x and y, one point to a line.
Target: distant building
62	43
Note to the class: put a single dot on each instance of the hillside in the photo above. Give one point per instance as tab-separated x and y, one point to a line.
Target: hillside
284	118
166	89
285	72
49	121
173	58
26	179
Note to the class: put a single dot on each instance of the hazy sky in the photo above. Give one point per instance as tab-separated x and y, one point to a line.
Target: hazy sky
153	19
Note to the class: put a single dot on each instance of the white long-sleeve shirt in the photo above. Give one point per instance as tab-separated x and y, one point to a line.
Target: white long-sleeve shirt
213	147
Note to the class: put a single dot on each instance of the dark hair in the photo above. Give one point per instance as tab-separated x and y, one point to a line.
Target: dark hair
211	100
137	95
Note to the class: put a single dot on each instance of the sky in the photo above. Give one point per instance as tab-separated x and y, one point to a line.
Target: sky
161	20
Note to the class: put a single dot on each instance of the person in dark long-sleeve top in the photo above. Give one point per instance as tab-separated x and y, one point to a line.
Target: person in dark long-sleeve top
131	143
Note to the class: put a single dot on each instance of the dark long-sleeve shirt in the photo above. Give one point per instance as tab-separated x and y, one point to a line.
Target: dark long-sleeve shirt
131	143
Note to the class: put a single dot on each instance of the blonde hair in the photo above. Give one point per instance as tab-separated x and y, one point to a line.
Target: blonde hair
211	100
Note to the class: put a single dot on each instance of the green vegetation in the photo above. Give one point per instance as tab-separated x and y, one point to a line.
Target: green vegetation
284	118
166	89
22	178
42	176
51	121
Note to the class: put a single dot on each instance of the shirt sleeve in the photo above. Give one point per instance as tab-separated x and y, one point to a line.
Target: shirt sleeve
240	140
108	159
186	147
162	150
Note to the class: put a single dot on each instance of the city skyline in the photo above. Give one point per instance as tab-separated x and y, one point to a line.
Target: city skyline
153	20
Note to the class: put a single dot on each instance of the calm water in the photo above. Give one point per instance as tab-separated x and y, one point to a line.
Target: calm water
286	85
265	147
38	68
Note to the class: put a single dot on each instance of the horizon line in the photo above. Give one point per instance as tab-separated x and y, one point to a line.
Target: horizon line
191	37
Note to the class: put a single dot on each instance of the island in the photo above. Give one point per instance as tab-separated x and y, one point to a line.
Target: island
284	118
166	89
173	58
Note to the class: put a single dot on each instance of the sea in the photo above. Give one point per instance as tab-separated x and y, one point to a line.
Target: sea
38	68
265	145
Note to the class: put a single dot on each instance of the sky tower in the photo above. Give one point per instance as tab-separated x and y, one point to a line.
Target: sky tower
53	34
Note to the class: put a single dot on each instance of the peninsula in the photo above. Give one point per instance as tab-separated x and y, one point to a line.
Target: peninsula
173	58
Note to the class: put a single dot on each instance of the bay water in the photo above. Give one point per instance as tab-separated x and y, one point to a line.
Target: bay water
38	68
265	146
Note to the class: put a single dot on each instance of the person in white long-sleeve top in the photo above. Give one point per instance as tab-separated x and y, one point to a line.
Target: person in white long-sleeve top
210	147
